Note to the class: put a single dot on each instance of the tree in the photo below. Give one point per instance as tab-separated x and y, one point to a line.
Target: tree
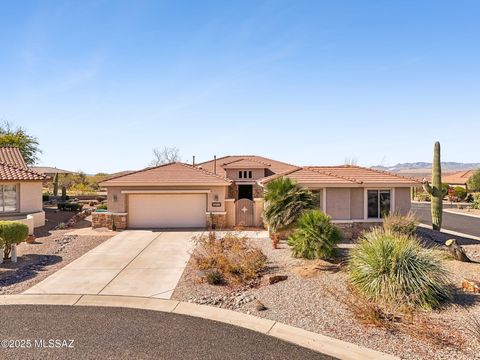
474	181
166	155
18	136
285	202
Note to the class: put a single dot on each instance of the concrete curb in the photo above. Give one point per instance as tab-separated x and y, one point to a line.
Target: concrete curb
460	213
450	232
324	344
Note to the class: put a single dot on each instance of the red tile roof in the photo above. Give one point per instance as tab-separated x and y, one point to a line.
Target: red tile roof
12	155
173	174
9	172
458	178
249	161
344	175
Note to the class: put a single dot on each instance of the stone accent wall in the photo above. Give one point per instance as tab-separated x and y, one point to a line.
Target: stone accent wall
233	191
105	219
352	231
220	221
257	191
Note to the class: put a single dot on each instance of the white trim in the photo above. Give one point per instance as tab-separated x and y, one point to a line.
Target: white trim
372	220
157	184
216	212
365	201
165	191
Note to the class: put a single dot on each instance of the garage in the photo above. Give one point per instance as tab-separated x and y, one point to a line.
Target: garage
148	211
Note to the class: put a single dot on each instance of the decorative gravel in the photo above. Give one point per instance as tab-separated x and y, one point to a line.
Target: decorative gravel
52	250
315	301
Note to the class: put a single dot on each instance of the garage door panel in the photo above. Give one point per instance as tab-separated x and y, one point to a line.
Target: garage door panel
166	210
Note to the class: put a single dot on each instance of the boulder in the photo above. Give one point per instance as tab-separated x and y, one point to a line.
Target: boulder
273	279
471	286
259	306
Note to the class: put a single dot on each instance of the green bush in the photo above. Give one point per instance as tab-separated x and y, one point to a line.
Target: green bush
474	181
423	196
315	236
70	206
46	196
391	268
11	233
460	193
397	223
476	201
102	207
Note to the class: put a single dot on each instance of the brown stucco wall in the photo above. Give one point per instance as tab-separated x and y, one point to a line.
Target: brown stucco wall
356	203
402	200
232	174
338	203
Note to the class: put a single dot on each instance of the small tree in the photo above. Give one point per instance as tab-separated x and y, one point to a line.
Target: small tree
166	155
18	136
12	233
474	181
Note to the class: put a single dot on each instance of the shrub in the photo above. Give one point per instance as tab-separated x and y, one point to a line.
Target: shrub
70	206
285	202
460	193
231	257
12	233
397	223
474	181
46	196
102	207
476	201
393	268
423	196
315	236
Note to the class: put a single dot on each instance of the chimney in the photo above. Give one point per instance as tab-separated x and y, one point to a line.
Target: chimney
193	160
215	164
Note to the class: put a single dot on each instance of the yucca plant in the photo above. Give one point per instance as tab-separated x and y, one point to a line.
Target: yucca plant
315	236
285	202
389	268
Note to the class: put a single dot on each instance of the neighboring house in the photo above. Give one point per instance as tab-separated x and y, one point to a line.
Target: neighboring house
50	171
20	190
459	178
228	191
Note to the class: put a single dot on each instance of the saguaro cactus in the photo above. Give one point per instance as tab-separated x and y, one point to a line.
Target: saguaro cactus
435	189
64	194
55	184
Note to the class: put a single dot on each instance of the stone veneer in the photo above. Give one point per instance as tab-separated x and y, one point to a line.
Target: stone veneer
220	220
105	219
352	230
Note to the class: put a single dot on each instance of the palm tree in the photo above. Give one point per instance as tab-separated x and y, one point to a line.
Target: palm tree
285	202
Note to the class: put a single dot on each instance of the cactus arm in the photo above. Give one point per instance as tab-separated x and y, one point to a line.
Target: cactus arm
427	187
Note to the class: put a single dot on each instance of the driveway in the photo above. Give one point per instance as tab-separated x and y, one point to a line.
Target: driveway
455	222
135	263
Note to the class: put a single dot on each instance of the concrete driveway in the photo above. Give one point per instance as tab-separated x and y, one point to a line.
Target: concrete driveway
135	263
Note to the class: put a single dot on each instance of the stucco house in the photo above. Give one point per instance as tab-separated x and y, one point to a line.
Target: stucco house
459	178
20	190
228	192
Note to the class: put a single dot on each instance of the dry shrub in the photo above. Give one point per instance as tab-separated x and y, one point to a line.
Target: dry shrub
401	224
231	258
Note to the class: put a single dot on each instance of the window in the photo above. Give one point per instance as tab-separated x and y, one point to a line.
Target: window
8	198
379	202
239	174
249	174
245	174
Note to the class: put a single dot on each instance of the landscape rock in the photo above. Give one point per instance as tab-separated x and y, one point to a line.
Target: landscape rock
259	306
273	279
471	286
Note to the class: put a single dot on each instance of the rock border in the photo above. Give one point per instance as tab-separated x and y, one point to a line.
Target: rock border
317	342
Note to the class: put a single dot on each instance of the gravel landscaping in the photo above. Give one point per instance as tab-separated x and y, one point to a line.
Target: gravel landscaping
315	297
52	250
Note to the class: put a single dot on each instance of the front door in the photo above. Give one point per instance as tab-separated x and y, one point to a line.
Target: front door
244	211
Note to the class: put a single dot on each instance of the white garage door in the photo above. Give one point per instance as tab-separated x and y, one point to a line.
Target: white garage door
166	210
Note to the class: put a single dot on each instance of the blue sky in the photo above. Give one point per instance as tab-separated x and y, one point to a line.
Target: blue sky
101	83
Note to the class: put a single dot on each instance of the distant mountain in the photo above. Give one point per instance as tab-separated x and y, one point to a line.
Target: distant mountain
420	167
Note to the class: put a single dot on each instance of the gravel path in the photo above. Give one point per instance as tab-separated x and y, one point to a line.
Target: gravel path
315	301
52	250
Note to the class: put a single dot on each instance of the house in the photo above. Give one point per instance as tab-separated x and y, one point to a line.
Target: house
50	171
459	178
20	190
228	192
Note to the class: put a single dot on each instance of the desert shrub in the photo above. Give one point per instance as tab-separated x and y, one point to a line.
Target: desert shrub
402	224
423	196
70	206
460	193
389	268
474	181
231	256
315	236
102	207
45	196
476	201
12	233
285	202
214	277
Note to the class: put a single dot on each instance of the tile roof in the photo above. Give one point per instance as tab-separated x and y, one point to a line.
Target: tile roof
344	175
12	155
49	170
458	178
228	162
246	163
9	172
174	174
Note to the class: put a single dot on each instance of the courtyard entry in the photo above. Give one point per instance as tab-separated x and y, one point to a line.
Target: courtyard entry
244	211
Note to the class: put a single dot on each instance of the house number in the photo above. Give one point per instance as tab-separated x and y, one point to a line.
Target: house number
216	204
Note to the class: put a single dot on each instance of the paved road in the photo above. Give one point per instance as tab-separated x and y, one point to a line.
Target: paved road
118	333
464	224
